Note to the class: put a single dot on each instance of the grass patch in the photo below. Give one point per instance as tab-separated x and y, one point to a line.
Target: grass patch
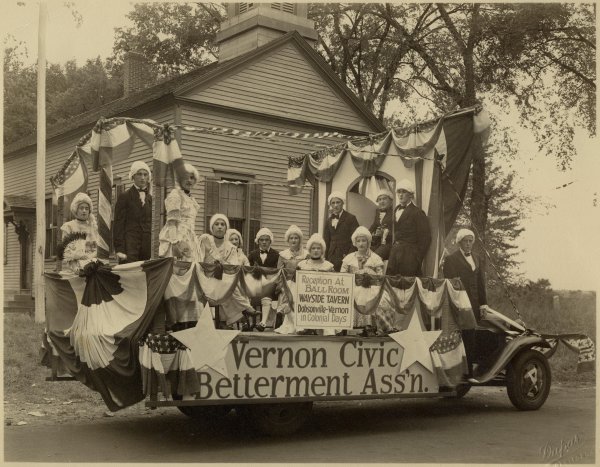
24	376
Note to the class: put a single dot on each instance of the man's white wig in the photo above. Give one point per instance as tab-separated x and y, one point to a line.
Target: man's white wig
293	230
338	195
264	232
385	192
137	166
316	238
362	232
232	232
215	217
406	185
462	233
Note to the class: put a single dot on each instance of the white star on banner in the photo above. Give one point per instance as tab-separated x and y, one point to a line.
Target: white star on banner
207	345
415	342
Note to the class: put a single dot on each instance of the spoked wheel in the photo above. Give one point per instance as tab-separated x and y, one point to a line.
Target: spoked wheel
204	412
279	419
528	380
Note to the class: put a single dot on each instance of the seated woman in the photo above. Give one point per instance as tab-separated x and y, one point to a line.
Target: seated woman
78	246
315	262
236	239
363	261
177	237
288	260
215	248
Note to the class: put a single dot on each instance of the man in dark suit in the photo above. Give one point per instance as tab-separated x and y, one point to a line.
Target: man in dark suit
266	257
463	264
412	234
133	217
466	266
339	227
381	228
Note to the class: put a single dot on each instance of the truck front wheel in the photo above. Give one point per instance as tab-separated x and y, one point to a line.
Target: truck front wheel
528	379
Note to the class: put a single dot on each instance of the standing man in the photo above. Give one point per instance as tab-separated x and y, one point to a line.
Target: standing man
133	217
465	265
338	231
412	234
381	228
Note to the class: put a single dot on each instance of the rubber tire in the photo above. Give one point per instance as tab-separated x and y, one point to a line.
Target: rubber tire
515	378
279	419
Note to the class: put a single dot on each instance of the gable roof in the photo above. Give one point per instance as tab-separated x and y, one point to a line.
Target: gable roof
180	84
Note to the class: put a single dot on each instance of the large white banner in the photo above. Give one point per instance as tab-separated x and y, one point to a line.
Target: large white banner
324	300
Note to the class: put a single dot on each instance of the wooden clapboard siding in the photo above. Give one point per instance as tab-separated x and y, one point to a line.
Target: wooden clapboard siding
265	159
19	178
285	84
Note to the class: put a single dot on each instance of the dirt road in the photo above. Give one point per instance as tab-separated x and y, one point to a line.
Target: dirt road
482	428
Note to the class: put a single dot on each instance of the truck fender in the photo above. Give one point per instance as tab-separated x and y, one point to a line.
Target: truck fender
513	347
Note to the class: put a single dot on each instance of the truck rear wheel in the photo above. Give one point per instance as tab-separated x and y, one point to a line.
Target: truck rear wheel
528	379
279	419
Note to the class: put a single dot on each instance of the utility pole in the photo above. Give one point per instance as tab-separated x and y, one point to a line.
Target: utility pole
40	193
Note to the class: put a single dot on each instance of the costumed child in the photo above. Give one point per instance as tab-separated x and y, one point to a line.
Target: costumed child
315	262
266	257
236	239
78	246
363	261
381	228
215	248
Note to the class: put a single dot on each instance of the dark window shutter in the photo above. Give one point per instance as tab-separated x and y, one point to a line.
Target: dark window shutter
255	190
211	199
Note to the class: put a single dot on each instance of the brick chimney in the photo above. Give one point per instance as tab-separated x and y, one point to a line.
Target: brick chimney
135	73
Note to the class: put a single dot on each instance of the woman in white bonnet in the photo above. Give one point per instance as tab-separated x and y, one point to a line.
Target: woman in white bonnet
235	238
363	261
177	237
214	247
80	235
288	260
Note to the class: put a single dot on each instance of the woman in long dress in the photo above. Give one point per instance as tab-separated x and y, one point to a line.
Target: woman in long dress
363	261
215	248
177	237
80	235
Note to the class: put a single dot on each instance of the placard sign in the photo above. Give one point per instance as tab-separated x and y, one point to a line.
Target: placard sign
324	300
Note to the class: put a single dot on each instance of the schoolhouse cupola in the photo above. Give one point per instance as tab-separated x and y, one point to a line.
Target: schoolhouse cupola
251	25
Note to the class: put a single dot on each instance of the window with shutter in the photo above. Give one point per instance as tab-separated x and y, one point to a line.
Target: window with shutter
240	201
286	7
244	7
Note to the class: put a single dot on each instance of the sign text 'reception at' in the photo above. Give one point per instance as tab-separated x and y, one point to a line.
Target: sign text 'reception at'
324	301
260	369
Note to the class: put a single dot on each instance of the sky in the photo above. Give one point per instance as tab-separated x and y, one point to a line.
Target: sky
560	245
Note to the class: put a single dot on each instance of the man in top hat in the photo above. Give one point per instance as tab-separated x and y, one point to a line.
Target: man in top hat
412	234
464	264
133	217
381	228
339	227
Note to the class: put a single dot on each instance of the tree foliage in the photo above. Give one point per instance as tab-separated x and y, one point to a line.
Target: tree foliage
175	37
70	90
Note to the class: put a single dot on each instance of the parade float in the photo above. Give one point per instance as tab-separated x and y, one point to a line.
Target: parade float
118	328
